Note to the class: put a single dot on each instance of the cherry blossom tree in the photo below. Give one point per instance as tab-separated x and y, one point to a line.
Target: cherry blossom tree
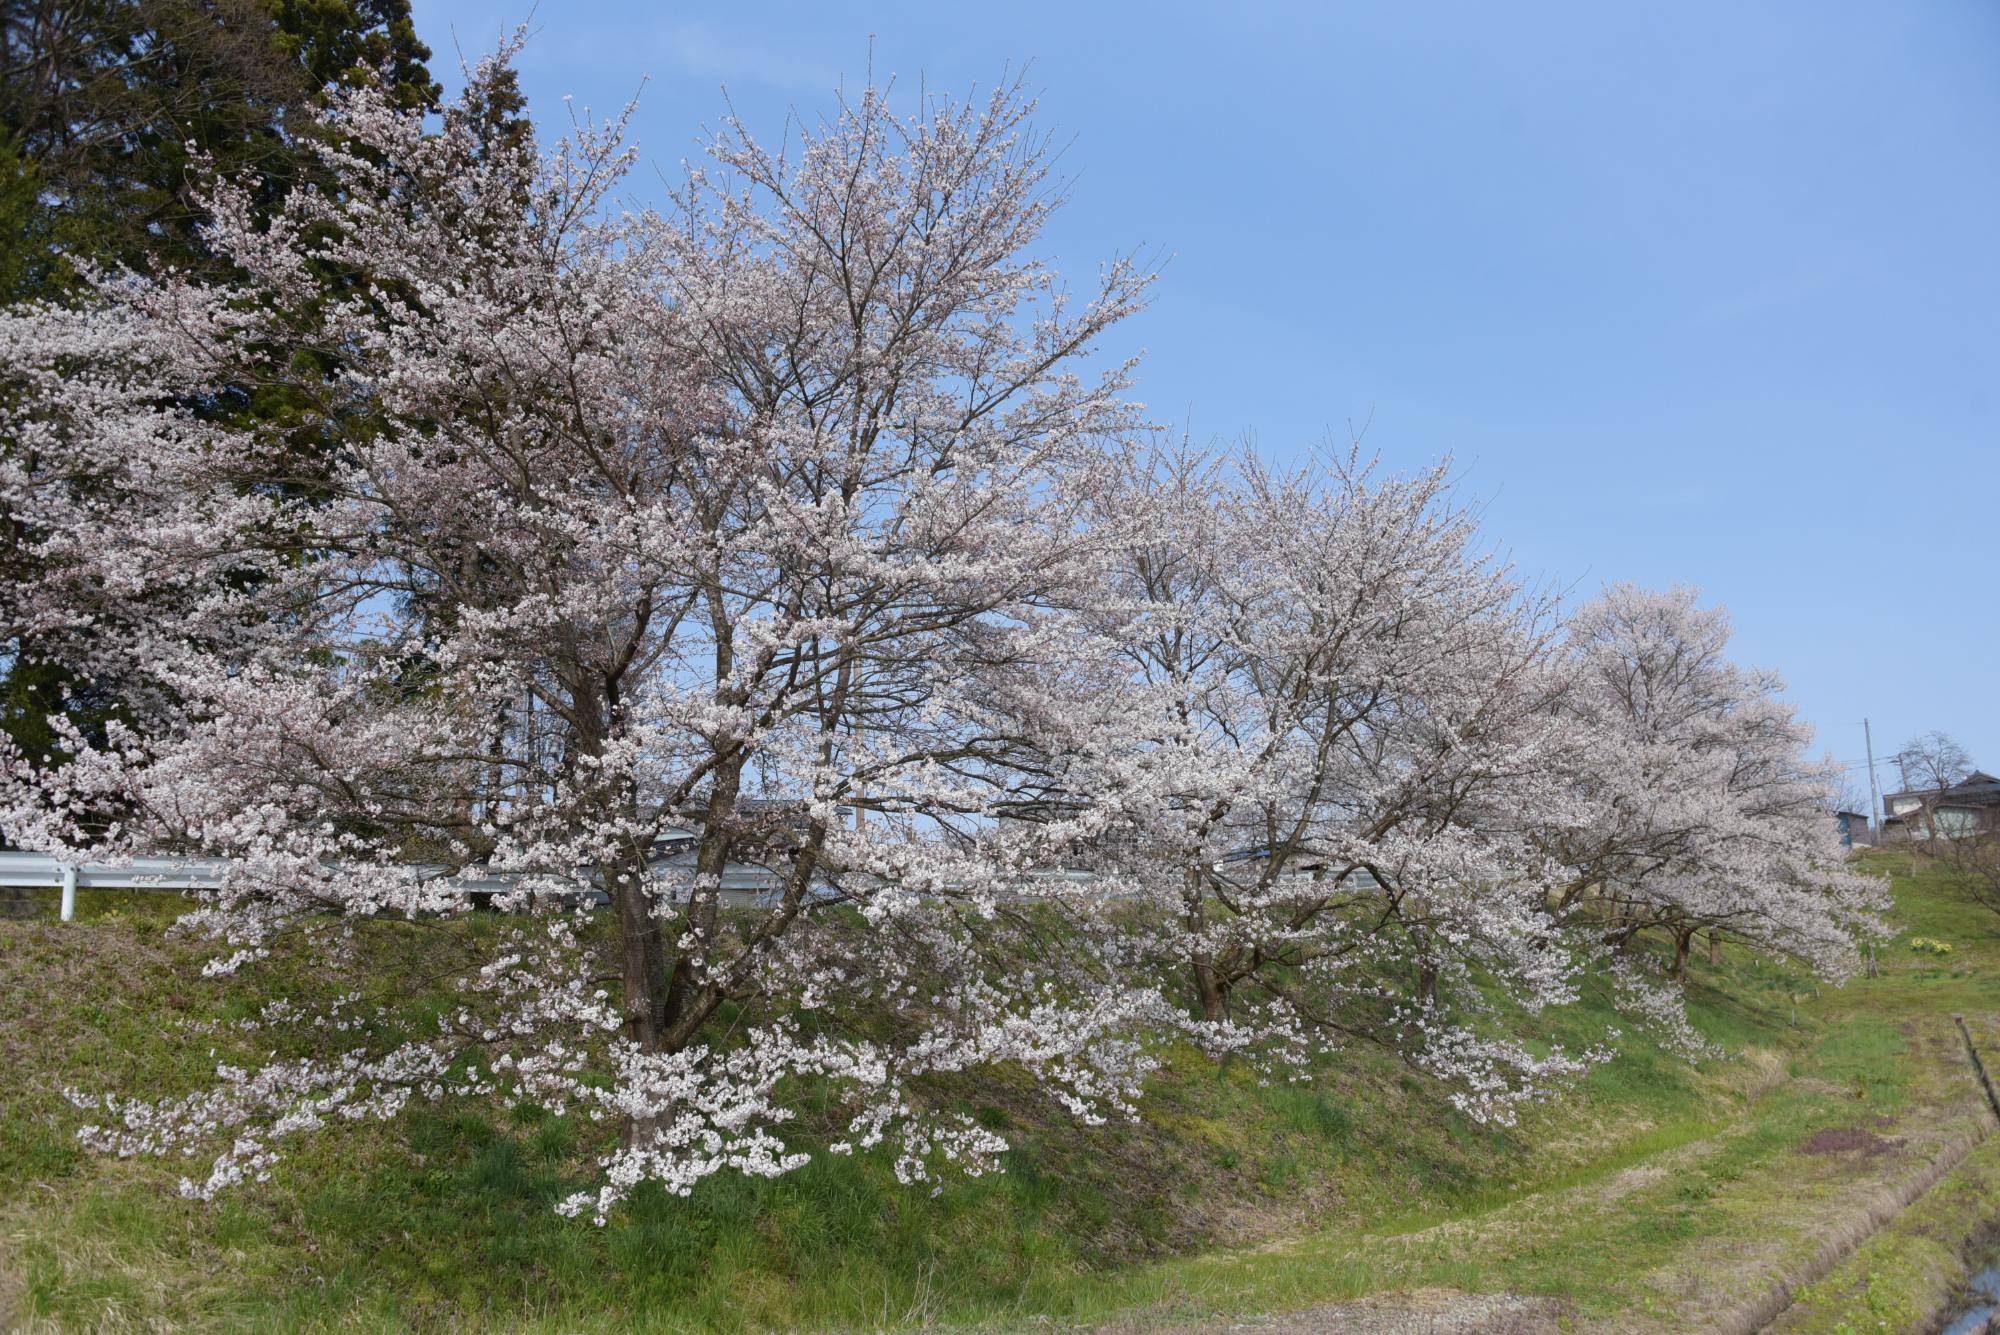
1315	755
724	526
1702	810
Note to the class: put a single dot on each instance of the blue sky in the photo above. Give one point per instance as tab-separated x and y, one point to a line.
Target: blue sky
1694	293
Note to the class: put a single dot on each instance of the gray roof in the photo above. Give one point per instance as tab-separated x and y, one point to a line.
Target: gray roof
1977	789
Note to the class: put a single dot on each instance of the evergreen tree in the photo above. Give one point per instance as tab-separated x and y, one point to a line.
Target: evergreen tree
110	113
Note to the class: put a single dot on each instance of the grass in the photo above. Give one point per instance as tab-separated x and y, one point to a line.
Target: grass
1899	1278
1658	1192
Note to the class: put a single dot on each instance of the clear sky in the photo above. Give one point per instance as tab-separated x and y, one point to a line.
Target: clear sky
1694	293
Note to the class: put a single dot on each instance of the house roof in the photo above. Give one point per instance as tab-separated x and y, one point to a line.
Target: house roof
1977	789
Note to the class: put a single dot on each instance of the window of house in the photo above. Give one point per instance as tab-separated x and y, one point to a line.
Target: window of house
1956	822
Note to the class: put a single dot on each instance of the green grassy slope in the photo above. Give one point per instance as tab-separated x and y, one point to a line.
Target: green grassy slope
1232	1196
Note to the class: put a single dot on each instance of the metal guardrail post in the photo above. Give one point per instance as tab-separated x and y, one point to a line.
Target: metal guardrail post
68	894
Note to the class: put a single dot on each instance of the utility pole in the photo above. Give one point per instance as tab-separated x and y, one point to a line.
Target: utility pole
1874	796
1874	823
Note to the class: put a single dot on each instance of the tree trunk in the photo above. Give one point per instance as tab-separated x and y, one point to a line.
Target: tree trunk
1211	989
688	998
642	951
643	967
1715	946
621	873
1682	940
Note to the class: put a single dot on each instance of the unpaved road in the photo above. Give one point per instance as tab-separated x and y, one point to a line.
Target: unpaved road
1752	1218
1422	1312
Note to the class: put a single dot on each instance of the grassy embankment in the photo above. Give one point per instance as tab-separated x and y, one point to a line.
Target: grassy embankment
1658	1192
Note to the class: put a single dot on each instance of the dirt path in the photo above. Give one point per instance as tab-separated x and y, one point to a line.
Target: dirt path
1719	1231
1421	1312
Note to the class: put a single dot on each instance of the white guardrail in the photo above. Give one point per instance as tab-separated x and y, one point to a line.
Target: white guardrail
743	885
42	871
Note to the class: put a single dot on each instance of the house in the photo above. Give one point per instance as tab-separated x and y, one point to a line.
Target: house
1854	829
1967	809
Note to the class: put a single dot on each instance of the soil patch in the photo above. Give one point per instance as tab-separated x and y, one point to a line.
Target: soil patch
1850	1140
